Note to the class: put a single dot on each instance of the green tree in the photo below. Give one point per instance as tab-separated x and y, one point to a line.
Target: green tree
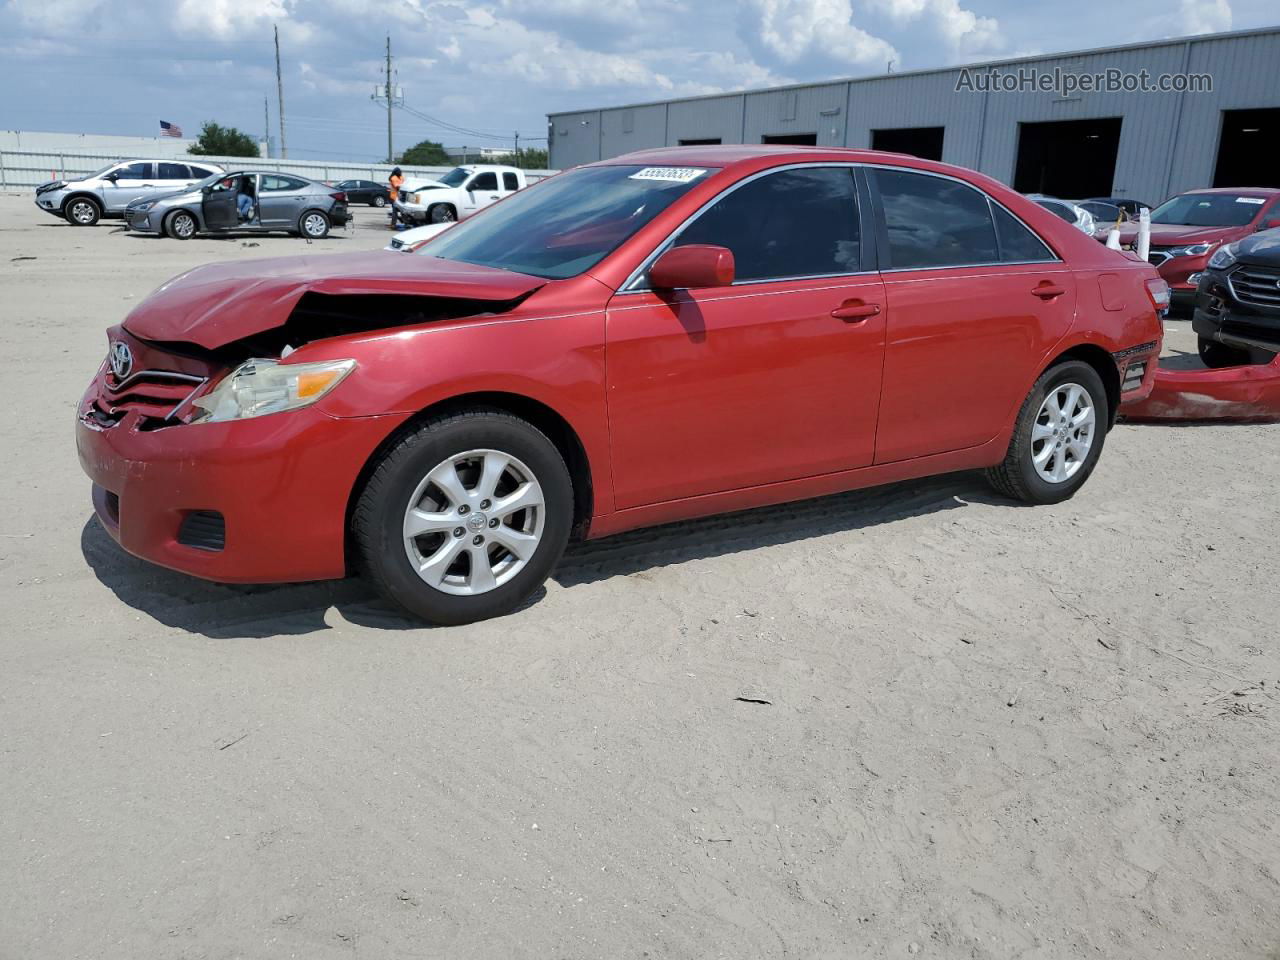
428	153
529	159
219	141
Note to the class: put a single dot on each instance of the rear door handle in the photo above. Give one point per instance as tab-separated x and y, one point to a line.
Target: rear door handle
1047	290
855	311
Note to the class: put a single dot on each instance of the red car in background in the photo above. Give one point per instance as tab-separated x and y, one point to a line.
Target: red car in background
663	335
1186	230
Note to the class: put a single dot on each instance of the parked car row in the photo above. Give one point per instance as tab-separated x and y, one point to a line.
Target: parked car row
183	199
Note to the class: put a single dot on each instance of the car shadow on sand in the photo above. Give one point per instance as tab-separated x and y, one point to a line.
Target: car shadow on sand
230	611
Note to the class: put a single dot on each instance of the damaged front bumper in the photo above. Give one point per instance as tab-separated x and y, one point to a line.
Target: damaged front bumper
259	500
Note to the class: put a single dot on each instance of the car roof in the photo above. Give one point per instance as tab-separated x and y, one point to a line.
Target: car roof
725	155
1238	191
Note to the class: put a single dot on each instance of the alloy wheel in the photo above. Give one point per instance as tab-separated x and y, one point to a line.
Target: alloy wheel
474	522
1063	432
82	212
314	225
184	225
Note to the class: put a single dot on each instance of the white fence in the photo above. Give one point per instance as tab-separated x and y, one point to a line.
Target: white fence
26	168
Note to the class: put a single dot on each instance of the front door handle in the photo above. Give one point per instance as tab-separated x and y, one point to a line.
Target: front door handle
855	311
1047	290
495	197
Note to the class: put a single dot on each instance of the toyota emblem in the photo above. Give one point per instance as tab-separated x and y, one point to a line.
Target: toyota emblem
121	359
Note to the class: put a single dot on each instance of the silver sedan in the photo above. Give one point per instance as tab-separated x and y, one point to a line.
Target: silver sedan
246	201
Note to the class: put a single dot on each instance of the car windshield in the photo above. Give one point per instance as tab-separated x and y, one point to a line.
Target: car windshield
567	224
455	177
1208	210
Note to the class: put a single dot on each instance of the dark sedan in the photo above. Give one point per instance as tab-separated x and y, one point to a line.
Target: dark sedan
365	191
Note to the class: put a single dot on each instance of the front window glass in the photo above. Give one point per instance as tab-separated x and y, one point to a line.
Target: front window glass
796	223
455	177
1208	210
134	171
935	222
567	224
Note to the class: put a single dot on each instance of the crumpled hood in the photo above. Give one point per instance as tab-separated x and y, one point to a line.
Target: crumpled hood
220	303
1178	235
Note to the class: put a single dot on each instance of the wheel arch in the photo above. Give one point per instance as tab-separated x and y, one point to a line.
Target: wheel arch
1103	364
545	418
83	195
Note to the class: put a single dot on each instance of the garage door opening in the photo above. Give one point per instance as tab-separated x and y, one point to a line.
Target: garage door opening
795	139
1247	149
922	142
709	142
1073	159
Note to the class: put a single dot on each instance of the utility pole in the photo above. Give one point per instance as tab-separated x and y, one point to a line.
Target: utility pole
517	148
391	157
284	150
266	127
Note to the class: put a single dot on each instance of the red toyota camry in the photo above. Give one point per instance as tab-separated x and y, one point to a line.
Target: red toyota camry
664	335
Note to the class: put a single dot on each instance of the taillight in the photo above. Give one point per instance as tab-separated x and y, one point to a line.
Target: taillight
1158	291
340	197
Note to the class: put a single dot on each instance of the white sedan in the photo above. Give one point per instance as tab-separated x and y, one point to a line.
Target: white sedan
407	241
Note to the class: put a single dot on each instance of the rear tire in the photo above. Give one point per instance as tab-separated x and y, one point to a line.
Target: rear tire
449	479
1216	355
314	225
379	201
181	225
1057	438
82	212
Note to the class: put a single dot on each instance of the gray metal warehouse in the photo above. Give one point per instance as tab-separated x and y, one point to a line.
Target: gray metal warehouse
1143	145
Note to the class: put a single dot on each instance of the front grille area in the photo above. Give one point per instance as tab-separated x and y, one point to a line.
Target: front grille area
203	530
1256	285
1157	256
156	395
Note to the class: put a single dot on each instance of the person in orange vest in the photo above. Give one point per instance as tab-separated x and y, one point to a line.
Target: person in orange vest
395	181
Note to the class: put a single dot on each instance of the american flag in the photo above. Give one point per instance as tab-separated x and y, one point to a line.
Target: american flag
168	129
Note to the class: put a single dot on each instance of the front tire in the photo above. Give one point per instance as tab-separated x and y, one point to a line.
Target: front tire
1216	355
465	517
442	213
1058	436
314	225
181	225
82	212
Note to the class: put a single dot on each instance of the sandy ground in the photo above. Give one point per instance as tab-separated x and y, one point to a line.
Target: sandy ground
991	731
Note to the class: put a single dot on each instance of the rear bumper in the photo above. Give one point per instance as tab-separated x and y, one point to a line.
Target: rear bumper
281	483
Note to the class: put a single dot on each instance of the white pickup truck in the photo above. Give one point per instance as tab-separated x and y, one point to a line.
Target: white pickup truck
459	193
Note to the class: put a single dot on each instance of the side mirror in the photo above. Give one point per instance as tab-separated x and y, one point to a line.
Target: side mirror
691	267
113	176
206	190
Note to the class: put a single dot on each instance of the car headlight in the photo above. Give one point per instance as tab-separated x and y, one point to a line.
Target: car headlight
258	387
1224	257
1195	250
142	207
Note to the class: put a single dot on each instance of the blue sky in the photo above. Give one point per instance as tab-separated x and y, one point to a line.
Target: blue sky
491	67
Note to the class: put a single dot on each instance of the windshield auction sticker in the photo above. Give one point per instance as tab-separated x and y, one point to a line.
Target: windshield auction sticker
671	174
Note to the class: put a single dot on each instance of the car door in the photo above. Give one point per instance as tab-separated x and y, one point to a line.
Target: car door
481	190
218	207
773	378
975	301
280	200
128	182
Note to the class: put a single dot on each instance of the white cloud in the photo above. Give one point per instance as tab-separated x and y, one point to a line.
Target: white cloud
794	30
226	19
1202	16
962	30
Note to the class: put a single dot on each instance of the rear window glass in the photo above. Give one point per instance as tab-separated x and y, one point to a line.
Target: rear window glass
935	221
